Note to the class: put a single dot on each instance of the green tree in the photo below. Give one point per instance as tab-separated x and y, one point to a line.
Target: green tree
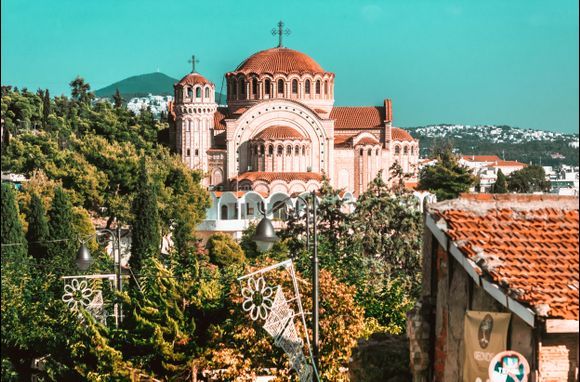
145	235
46	110
63	236
500	185
117	99
529	179
223	250
37	233
446	178
81	90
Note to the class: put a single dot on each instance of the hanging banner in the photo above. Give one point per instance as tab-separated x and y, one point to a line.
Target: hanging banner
485	335
509	366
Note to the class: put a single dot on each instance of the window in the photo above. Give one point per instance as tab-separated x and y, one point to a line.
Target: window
189	92
262	149
412	150
289	150
280	86
270	150
254	86
318	87
188	152
294	86
361	152
242	87
326	87
377	152
224	212
198	92
405	150
397	150
267	87
303	150
370	152
196	152
297	150
206	92
307	87
280	150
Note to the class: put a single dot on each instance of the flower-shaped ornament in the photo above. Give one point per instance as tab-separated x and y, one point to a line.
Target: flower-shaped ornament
77	293
257	298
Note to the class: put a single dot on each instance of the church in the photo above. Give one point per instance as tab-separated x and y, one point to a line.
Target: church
280	131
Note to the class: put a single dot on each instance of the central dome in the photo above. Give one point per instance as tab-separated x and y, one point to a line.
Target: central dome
279	60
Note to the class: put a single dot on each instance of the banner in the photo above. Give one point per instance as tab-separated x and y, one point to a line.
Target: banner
485	335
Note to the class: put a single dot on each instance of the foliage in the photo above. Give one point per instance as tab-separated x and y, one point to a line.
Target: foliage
500	185
37	233
446	178
223	250
63	236
529	179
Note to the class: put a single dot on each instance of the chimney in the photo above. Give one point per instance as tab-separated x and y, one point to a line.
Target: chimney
388	122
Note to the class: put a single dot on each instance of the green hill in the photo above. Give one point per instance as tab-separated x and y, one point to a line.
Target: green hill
142	85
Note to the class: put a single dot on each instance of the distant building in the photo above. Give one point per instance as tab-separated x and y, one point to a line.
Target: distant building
509	255
486	168
156	103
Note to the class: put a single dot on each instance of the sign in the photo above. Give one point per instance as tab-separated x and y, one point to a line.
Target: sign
485	335
509	366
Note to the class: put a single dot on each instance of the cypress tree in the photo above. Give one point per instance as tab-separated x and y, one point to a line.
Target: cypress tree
145	235
13	240
117	99
37	228
62	251
45	108
500	185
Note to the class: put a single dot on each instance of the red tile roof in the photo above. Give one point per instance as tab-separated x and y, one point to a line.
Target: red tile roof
279	60
527	244
368	141
357	117
219	118
400	135
285	176
508	163
194	79
279	133
480	158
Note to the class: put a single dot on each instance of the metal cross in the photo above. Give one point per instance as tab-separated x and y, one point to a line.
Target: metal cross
280	31
193	61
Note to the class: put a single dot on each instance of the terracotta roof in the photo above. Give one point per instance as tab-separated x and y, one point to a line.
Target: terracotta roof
279	60
480	158
285	176
357	117
507	163
527	244
278	133
400	135
219	117
368	141
194	79
411	185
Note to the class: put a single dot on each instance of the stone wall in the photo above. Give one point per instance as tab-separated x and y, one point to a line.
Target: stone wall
383	357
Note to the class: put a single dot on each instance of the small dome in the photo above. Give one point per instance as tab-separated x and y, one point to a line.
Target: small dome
279	60
278	133
194	79
400	135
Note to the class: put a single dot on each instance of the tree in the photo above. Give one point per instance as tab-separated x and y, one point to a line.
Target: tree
446	178
500	185
37	233
63	237
117	99
223	250
528	179
45	108
80	90
145	235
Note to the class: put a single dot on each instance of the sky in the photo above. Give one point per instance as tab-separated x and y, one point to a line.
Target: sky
468	62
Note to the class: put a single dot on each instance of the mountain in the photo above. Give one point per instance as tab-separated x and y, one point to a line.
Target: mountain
525	145
142	85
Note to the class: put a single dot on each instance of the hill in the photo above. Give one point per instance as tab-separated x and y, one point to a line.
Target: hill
142	85
525	145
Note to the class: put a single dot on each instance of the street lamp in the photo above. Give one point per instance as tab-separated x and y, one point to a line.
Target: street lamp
265	237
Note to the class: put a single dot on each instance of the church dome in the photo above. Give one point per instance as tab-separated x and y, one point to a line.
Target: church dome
279	133
194	79
279	60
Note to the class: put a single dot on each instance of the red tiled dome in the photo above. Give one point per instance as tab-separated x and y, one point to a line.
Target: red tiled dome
278	133
400	135
279	60
194	79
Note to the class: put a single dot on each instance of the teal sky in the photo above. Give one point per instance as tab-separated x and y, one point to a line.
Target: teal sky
474	61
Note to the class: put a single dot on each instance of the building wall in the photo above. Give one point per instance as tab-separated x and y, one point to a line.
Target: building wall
558	357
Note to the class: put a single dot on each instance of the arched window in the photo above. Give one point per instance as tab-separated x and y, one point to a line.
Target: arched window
198	92
405	150
224	211
318	87
196	152
189	92
267	87
297	150
412	150
270	150
206	92
254	86
262	149
289	150
397	150
370	152
307	87
294	86
326	87
242	85
377	152
280	86
303	150
256	150
361	152
280	150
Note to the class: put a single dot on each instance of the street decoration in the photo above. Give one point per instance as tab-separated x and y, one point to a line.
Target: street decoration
508	366
86	292
269	305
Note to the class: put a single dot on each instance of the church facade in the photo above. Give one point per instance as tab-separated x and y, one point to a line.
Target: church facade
280	131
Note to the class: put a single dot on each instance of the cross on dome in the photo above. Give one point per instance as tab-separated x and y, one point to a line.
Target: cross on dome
280	31
193	61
